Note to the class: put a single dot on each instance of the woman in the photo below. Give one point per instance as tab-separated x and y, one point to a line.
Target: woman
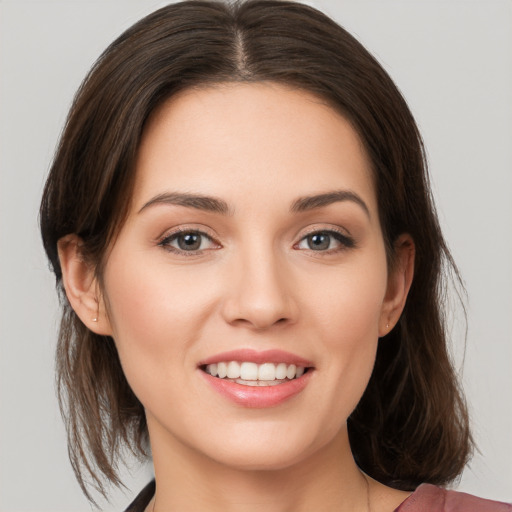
239	216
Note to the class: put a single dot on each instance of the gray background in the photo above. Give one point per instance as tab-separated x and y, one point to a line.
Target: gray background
453	61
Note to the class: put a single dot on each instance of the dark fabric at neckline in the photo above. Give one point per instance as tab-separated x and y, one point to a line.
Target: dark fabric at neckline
143	498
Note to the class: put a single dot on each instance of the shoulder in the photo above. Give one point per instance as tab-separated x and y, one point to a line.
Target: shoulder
142	500
429	498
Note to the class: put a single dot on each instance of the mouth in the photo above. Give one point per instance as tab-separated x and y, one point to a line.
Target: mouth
248	373
255	379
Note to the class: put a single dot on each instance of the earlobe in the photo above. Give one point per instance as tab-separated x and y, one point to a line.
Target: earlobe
81	285
399	282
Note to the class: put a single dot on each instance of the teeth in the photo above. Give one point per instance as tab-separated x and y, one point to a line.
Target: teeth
249	371
252	374
267	371
233	370
222	370
281	371
258	382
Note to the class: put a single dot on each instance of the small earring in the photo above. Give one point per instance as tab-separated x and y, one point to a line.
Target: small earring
387	326
94	319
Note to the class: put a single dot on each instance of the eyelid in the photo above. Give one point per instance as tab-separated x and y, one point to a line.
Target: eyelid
326	228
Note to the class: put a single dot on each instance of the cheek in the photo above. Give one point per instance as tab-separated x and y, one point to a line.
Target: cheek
347	316
156	315
349	306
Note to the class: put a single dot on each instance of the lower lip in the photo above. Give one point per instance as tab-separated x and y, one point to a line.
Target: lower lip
258	396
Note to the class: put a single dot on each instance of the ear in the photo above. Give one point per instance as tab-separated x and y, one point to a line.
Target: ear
399	282
81	285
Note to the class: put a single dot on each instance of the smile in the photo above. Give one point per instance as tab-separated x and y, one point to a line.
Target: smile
248	373
257	379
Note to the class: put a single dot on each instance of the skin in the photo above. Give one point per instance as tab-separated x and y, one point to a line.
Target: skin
255	282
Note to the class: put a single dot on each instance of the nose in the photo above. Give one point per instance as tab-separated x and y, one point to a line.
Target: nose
260	293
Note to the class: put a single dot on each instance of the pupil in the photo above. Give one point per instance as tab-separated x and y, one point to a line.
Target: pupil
189	241
318	242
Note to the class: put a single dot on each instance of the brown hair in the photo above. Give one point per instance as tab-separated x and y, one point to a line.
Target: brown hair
411	425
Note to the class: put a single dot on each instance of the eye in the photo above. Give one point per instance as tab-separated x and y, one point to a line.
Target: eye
188	241
324	241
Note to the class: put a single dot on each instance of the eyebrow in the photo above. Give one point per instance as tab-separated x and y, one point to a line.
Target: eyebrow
307	203
216	205
199	202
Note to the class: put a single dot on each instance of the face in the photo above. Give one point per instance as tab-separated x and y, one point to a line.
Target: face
252	247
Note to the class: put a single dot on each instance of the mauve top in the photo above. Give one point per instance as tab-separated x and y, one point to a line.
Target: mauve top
429	498
426	498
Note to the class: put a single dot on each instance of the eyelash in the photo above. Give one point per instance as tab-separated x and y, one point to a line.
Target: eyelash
345	241
168	239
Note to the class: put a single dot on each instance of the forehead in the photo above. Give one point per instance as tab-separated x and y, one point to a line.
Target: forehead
258	138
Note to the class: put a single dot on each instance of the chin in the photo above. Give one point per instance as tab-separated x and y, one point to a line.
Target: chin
267	449
260	459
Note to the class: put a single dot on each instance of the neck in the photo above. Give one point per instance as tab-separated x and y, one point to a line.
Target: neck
327	481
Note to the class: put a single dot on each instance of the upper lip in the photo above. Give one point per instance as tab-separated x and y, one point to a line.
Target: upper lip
256	356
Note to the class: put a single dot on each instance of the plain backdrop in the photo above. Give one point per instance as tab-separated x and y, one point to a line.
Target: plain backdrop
452	59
